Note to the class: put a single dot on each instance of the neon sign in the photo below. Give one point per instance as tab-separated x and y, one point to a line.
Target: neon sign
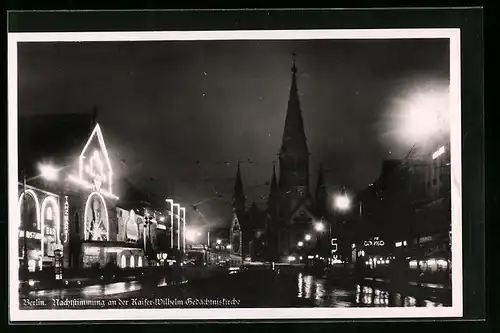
91	251
334	244
65	220
374	242
30	235
93	171
438	153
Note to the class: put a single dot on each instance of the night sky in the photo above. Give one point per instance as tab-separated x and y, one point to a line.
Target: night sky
165	105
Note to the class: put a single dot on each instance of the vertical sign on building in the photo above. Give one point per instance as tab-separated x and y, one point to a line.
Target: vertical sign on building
335	248
58	270
65	220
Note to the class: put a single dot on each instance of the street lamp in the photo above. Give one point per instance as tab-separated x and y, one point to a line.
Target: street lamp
307	237
219	242
47	172
300	244
342	202
319	227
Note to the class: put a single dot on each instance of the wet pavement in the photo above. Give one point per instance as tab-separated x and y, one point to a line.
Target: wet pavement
263	288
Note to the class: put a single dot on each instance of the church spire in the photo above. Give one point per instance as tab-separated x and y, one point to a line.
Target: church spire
294	138
321	194
273	199
238	194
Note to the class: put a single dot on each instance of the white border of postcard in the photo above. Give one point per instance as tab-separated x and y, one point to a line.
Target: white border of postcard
455	310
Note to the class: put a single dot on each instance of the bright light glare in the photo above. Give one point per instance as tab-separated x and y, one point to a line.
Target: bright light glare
308	237
342	202
219	241
228	247
319	227
420	113
49	172
190	235
291	258
300	244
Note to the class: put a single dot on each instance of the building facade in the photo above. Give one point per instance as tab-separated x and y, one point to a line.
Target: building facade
79	213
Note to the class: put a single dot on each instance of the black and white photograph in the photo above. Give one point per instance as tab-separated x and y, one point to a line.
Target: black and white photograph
235	175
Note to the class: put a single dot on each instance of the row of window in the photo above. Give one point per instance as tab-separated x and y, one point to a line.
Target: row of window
131	262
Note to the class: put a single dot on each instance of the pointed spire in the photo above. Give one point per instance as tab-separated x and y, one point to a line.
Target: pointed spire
238	194
273	191
294	137
294	67
321	194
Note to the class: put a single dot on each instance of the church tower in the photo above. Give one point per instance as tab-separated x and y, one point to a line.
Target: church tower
274	196
321	194
294	154
239	201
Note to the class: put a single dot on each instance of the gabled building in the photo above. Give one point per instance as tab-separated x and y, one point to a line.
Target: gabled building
78	210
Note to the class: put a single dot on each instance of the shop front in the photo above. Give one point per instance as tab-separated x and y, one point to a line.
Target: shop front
39	230
120	254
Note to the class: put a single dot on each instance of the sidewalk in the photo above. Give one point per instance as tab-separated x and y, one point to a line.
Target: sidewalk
411	288
37	285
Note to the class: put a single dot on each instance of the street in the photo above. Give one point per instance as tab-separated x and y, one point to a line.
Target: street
261	288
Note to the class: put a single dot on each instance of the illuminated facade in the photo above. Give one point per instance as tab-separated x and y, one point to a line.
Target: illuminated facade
41	225
79	212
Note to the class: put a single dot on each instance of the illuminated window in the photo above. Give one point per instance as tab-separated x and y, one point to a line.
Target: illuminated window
132	262
124	261
50	213
139	261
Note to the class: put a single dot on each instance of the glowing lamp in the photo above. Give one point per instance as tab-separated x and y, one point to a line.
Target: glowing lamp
319	227
342	202
307	237
300	244
49	172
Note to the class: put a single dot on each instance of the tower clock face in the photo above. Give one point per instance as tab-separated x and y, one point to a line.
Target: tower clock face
235	243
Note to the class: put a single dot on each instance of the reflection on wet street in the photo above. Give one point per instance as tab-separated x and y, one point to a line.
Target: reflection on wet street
110	289
320	293
253	289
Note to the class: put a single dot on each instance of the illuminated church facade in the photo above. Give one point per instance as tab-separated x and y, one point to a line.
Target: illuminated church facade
291	210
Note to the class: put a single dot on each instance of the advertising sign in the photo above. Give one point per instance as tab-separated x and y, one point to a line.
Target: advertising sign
58	266
334	244
65	220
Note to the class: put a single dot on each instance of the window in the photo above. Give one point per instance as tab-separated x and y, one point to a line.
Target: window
124	261
50	214
132	262
139	261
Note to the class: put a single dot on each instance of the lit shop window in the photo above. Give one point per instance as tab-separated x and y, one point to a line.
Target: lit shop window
139	262
124	261
132	262
31	265
49	214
